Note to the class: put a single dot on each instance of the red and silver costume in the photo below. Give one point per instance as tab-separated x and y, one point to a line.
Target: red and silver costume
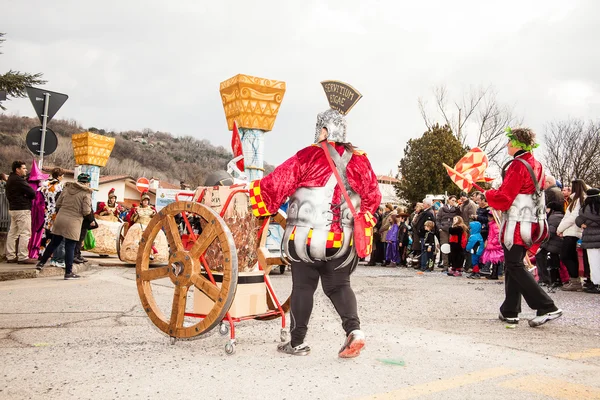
523	211
318	217
319	227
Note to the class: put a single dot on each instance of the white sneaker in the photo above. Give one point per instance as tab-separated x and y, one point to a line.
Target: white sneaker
353	344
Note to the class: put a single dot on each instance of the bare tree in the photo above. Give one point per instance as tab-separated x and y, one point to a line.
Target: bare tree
572	150
477	120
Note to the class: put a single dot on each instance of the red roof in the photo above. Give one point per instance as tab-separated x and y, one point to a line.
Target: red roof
387	179
112	178
167	185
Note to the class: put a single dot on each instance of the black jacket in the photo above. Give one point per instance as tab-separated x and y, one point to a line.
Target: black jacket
554	242
403	235
482	218
18	193
590	238
426	215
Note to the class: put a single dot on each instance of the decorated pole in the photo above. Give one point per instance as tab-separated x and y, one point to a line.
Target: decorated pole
92	152
253	103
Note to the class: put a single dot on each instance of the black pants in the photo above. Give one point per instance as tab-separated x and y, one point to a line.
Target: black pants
79	245
568	255
519	282
456	258
548	265
69	251
336	286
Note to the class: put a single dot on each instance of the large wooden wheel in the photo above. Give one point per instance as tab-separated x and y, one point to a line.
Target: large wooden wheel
184	269
266	260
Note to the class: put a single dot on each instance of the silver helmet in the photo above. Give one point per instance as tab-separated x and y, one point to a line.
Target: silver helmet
335	123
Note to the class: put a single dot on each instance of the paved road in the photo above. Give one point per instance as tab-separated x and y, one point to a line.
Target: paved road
428	337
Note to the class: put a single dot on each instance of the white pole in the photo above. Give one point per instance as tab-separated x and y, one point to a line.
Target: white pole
44	123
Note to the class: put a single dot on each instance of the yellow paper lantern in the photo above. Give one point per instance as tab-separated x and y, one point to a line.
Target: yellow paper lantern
92	149
253	102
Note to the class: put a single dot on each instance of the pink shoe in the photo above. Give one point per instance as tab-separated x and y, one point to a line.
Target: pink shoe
457	273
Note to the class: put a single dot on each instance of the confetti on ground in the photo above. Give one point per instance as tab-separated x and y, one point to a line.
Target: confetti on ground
511	326
392	361
41	344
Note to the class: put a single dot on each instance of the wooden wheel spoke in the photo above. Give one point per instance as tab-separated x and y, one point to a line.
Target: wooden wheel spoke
172	233
178	308
206	286
209	234
155	273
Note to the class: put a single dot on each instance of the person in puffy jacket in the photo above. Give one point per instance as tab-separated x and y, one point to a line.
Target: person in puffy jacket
571	234
547	259
589	220
475	247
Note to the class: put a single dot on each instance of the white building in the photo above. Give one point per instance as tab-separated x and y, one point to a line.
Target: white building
388	190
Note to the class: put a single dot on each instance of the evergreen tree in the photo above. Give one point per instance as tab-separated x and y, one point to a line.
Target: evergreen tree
421	170
14	82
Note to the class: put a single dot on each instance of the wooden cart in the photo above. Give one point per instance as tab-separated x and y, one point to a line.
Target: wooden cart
196	258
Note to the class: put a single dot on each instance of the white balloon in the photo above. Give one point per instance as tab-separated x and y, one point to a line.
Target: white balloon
445	248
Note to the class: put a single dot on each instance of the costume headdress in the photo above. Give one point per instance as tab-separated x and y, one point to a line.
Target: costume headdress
515	142
111	193
146	196
36	174
341	97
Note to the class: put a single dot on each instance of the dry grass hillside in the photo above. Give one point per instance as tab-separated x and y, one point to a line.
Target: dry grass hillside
136	153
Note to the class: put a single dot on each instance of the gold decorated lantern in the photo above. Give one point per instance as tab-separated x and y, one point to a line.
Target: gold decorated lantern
253	103
92	149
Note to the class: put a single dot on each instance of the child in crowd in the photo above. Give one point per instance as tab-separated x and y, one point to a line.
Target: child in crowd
493	254
428	251
475	247
547	258
403	238
391	238
458	242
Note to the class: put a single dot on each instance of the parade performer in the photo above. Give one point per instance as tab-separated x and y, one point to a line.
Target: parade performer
319	231
38	207
109	223
521	199
138	219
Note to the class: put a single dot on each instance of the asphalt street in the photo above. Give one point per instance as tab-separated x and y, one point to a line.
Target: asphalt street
429	336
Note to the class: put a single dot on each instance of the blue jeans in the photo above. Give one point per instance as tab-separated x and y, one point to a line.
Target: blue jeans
69	251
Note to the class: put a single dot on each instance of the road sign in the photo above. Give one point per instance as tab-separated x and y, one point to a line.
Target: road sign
142	185
34	141
37	99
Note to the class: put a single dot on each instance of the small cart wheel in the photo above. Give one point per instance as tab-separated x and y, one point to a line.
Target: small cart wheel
283	335
223	329
121	237
229	348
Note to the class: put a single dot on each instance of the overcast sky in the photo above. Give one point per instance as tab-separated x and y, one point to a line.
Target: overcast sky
156	64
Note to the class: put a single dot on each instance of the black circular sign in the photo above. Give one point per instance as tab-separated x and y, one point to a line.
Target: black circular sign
34	141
